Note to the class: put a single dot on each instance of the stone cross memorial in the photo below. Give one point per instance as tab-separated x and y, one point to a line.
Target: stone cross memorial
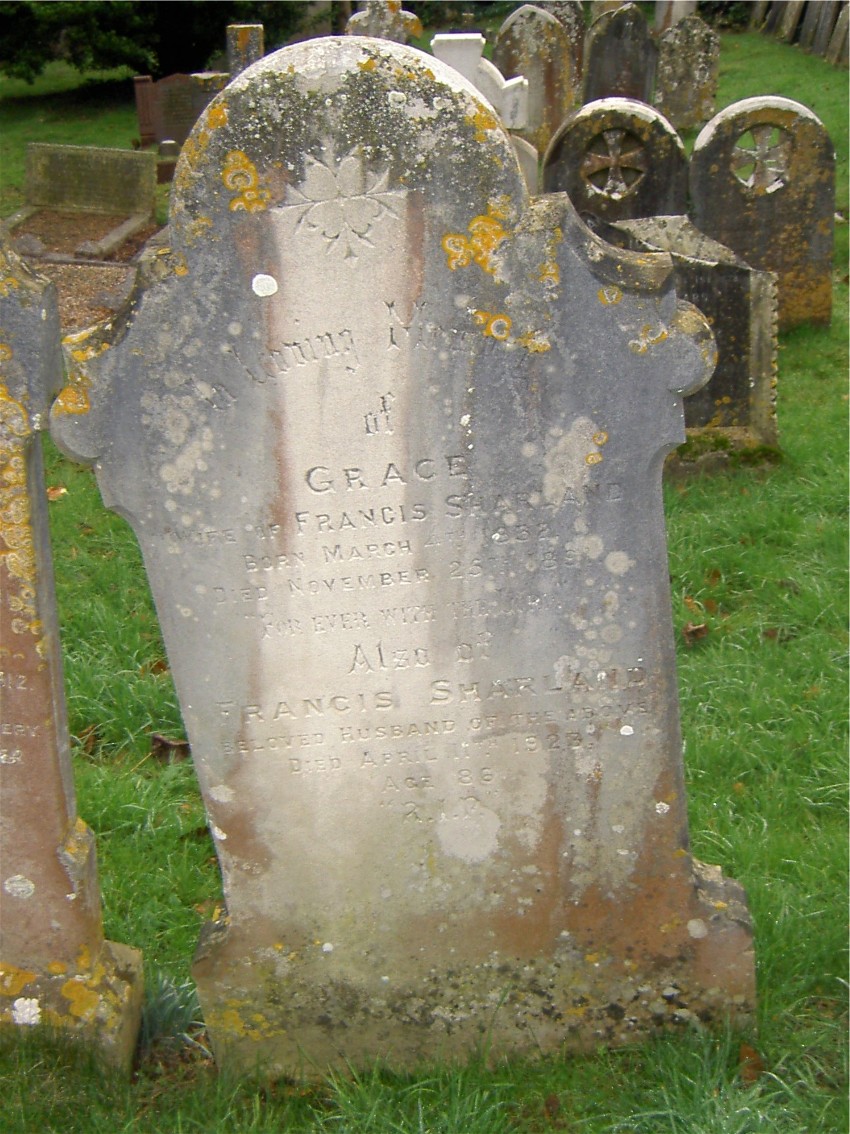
390	434
56	969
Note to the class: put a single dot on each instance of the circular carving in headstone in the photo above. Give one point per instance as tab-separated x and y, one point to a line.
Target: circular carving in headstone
760	158
618	159
614	163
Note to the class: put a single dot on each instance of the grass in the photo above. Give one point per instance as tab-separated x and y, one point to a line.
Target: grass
758	556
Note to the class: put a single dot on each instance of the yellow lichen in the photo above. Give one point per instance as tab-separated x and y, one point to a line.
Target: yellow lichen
240	174
13	980
485	234
83	1000
609	296
496	325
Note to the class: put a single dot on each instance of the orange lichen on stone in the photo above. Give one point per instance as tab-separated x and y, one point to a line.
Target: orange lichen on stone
486	233
13	980
496	325
83	1000
240	174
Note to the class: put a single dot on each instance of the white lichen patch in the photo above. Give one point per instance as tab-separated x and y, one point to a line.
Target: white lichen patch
19	887
26	1011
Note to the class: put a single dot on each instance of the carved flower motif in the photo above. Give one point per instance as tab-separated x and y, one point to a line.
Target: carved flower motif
342	203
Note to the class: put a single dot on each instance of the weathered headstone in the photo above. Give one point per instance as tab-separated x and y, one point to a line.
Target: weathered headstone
92	179
618	158
245	45
168	109
686	78
762	182
464	52
738	403
571	14
534	44
620	56
385	19
390	434
508	97
55	967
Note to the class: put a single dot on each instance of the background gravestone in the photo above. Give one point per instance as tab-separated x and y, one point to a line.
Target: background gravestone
91	179
390	433
738	403
762	182
618	159
532	43
245	45
56	970
385	19
571	15
686	78
620	56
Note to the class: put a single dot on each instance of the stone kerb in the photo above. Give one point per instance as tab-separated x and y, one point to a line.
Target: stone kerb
90	179
762	182
56	969
390	433
618	159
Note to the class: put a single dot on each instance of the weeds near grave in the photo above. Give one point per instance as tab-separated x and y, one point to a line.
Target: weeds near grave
757	555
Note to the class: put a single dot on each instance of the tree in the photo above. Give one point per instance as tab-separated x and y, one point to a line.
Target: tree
153	37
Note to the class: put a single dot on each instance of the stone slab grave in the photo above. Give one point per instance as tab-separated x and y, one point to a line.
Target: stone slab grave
90	179
620	56
618	158
686	76
390	434
762	182
738	403
56	969
533	43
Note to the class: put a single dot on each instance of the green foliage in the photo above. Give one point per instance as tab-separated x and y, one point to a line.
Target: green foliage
156	37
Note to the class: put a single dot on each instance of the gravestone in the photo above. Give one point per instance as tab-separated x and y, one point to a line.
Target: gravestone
686	78
91	179
762	182
390	434
245	45
738	403
508	97
532	43
620	56
56	969
618	159
168	109
571	14
385	19
464	52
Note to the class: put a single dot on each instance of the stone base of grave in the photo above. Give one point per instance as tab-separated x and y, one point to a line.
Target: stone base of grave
280	1010
96	1001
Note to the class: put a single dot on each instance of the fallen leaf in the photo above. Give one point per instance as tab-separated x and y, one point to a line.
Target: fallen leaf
710	606
691	603
750	1064
693	633
57	492
165	749
713	577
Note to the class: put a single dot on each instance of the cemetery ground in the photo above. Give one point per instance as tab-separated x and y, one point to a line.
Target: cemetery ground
758	557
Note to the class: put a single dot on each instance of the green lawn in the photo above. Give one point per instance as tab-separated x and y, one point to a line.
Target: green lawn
758	555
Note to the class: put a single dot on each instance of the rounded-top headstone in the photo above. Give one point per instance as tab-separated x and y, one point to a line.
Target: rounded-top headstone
618	159
762	182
